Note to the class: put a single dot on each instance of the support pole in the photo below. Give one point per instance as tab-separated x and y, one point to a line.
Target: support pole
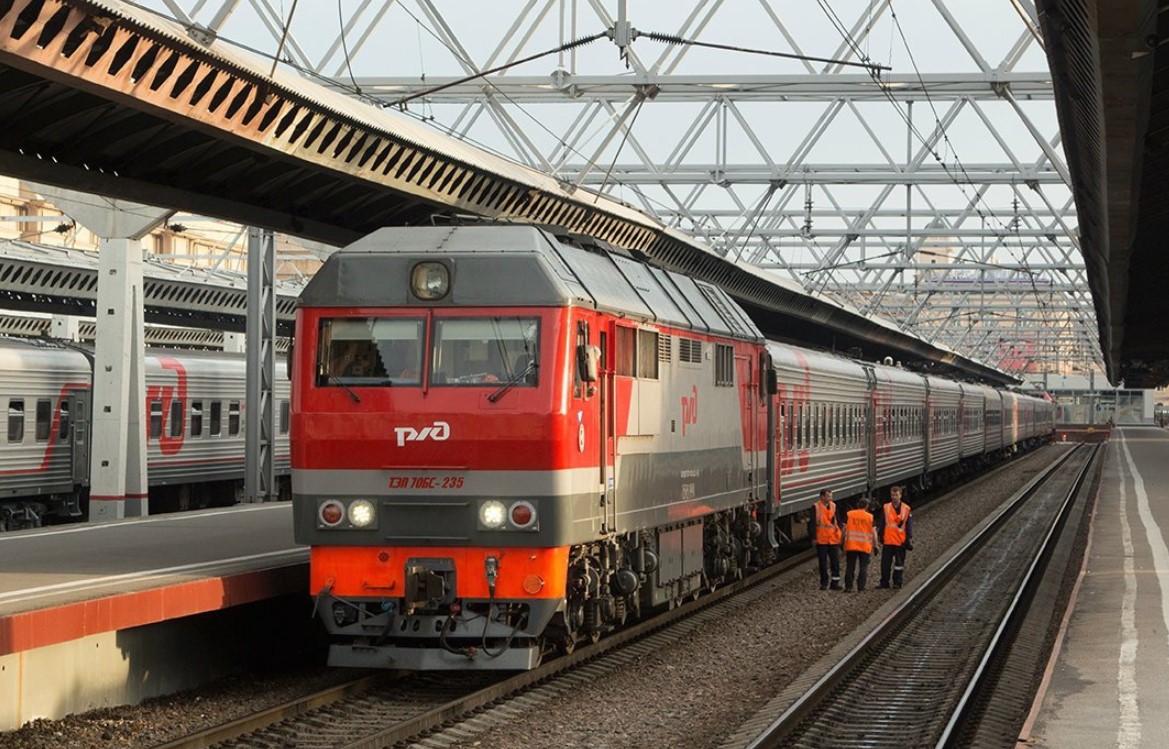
118	485
260	476
117	455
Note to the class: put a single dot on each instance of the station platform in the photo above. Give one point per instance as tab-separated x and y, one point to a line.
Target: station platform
1106	682
82	606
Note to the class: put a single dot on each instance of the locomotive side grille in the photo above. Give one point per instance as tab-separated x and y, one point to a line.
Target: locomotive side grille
689	350
665	348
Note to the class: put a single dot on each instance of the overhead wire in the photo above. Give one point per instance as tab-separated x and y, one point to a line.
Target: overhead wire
674	39
942	132
345	48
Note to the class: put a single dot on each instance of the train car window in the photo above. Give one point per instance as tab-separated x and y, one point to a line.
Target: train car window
724	365
63	422
370	351
647	354
216	418
176	418
788	416
285	416
479	351
232	418
155	419
44	419
196	418
783	426
626	348
16	420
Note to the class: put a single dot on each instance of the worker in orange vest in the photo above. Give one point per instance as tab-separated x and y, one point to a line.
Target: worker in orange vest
860	542
827	525
895	524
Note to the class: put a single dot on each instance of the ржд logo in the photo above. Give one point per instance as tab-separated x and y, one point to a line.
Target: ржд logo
439	432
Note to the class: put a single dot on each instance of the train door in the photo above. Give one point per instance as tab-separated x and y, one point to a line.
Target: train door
927	435
78	434
748	389
775	426
871	428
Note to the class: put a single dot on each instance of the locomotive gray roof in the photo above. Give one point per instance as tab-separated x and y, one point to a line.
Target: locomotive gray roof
520	266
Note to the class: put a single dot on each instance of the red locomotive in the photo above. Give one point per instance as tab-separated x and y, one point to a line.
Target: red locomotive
506	442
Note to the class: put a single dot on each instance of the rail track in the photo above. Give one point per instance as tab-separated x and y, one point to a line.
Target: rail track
924	676
399	708
394	708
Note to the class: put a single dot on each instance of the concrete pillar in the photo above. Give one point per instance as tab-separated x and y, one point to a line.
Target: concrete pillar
117	468
118	482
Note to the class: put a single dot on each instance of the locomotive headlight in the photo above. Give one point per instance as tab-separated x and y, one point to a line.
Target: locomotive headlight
361	513
331	513
523	514
430	281
492	514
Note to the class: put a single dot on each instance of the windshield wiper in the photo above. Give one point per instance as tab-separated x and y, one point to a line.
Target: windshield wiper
337	381
515	379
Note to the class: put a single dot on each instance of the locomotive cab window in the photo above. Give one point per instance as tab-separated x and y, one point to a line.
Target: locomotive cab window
638	352
370	352
477	351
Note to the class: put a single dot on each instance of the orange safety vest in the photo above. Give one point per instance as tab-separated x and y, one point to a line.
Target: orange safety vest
858	531
895	524
827	529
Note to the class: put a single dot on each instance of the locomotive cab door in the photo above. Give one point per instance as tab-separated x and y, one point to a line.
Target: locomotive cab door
78	435
608	441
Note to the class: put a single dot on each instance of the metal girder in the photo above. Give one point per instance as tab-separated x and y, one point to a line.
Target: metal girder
157	336
947	160
780	205
723	174
259	460
39	278
556	88
106	98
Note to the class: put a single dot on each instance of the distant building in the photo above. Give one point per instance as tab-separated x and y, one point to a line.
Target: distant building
1091	400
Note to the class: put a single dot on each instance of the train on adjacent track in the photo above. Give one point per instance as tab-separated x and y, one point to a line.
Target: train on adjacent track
508	440
194	411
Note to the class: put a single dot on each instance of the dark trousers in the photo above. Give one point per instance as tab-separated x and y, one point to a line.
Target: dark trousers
858	561
892	560
829	556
